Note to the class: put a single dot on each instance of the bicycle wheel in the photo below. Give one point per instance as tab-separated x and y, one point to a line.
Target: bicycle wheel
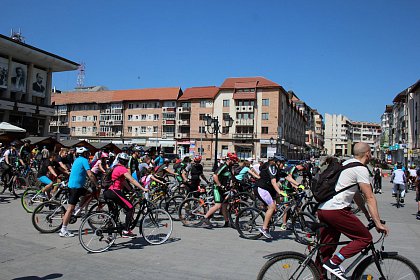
248	221
19	186
191	211
172	206
48	216
98	207
234	208
398	198
393	266
156	226
300	223
31	199
101	236
288	265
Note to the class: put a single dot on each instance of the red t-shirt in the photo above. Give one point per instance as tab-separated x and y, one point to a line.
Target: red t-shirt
118	177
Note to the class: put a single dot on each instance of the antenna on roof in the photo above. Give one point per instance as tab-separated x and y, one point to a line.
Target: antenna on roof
81	75
17	36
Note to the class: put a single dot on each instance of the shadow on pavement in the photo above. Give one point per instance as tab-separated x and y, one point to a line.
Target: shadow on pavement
138	243
46	277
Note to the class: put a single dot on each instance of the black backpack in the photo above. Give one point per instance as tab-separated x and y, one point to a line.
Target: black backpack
107	179
323	184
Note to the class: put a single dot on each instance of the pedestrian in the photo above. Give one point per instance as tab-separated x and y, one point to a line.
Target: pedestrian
45	153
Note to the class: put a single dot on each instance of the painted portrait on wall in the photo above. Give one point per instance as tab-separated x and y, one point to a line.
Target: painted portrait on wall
18	81
39	83
4	69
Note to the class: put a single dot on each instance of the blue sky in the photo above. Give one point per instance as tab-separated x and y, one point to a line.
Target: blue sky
348	57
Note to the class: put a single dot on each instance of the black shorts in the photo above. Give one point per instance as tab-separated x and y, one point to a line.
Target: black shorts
76	194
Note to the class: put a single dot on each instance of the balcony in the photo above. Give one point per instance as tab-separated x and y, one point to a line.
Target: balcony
61	123
243	135
168	117
111	111
183	122
184	110
168	122
110	123
243	122
244	108
182	135
168	109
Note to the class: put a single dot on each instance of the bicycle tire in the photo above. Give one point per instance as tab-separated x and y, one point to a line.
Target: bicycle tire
285	264
191	211
19	186
97	207
394	270
398	198
156	226
248	221
172	206
310	207
29	201
48	212
300	228
233	210
102	236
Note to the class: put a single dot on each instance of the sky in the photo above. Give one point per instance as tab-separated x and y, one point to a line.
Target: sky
343	57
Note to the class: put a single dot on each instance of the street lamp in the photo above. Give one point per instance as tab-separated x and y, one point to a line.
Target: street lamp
213	127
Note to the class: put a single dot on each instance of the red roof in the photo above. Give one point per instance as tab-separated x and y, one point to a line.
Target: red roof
199	93
249	82
116	96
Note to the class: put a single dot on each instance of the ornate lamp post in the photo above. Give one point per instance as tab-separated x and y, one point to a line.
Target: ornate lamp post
213	127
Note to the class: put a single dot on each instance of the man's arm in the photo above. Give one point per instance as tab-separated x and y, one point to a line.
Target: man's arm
92	178
373	207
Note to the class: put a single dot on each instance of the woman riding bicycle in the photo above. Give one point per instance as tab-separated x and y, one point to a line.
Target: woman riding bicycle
115	191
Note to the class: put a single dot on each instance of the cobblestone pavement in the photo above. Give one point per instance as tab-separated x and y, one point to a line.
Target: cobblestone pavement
192	253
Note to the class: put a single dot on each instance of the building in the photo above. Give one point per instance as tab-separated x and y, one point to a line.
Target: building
405	126
265	121
385	139
341	133
25	84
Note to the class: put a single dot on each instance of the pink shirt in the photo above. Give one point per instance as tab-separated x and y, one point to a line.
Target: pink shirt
118	177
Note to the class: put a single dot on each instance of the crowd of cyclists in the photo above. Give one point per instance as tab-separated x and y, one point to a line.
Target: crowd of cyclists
115	175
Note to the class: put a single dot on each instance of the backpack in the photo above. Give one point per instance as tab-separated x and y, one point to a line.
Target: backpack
323	184
107	178
237	169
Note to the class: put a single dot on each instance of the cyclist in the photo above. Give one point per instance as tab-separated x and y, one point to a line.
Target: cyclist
159	160
76	185
49	166
100	166
9	161
180	170
336	213
133	162
399	179
246	170
222	179
377	171
196	171
25	153
115	191
417	182
164	169
63	161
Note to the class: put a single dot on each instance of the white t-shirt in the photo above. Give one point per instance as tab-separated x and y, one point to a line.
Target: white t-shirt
413	172
348	177
398	176
256	167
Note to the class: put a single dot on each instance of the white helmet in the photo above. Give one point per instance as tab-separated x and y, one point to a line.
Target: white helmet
81	150
123	158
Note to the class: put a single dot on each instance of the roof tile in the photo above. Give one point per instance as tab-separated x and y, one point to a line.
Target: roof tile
259	82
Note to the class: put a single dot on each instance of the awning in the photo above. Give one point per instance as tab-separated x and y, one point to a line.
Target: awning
7	127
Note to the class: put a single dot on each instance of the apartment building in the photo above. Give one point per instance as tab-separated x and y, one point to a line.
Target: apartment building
341	133
385	139
25	84
265	121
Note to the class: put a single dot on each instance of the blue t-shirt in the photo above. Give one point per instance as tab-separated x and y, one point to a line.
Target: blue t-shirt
243	173
78	173
135	176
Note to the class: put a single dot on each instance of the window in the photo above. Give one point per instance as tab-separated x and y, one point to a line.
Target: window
143	129
130	106
84	130
225	129
266	102
73	118
202	129
203	103
94	129
264	130
226	103
201	117
95	118
155	129
265	116
73	129
130	129
130	117
156	117
143	117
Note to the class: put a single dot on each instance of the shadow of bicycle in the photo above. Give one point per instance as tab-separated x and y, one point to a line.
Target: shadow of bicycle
46	277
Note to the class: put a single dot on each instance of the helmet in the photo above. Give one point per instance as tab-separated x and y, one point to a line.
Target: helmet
104	155
279	158
81	150
123	158
111	154
197	158
14	143
186	159
137	149
166	160
233	157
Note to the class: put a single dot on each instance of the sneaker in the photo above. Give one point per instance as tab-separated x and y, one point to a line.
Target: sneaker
128	234
283	227
402	200
265	233
394	195
206	222
418	216
337	270
66	234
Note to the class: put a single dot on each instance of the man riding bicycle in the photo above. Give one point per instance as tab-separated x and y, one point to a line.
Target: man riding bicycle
399	179
336	213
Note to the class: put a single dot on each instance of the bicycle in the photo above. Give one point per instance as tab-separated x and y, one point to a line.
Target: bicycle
378	265
250	219
98	231
47	217
15	183
398	199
